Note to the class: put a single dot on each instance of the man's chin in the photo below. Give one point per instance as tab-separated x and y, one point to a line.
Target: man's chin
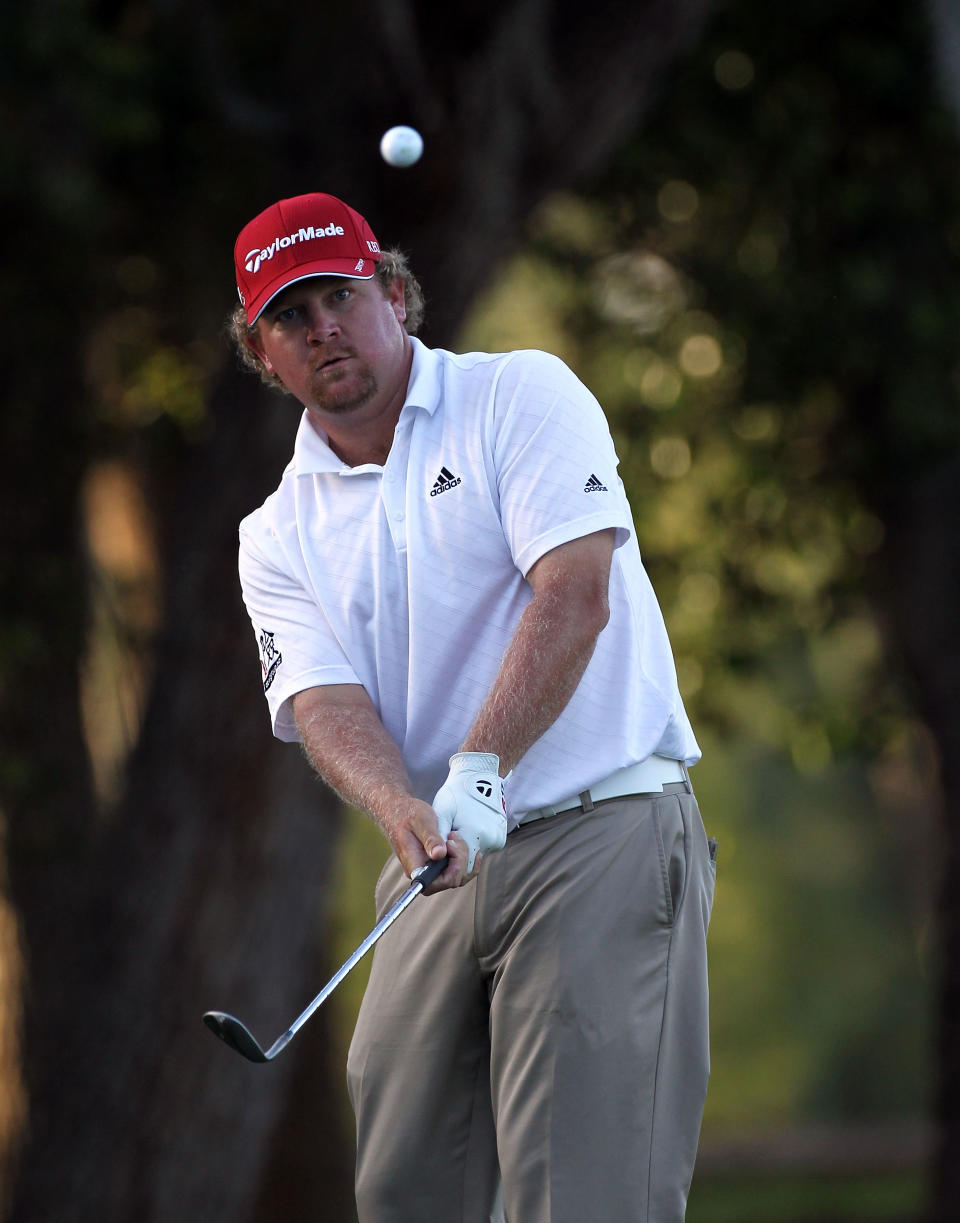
342	400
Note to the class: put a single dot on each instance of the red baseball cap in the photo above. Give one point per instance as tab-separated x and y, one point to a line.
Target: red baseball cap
308	235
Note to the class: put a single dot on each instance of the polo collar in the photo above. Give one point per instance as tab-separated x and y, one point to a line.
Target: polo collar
423	389
311	451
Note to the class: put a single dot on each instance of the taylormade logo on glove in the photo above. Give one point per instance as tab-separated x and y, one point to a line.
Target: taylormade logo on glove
471	802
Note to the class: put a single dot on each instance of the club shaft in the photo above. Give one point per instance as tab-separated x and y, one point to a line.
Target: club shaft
428	874
384	924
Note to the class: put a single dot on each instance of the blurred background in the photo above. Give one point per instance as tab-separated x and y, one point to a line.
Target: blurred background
738	222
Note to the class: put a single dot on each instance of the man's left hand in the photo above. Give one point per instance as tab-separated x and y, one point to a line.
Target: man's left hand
470	802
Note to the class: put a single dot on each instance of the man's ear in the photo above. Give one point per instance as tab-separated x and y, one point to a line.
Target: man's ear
253	342
396	296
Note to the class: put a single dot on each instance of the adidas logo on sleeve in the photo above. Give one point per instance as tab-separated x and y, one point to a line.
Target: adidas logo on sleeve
593	485
444	482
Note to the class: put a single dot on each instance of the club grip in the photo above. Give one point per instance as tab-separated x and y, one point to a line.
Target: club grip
427	874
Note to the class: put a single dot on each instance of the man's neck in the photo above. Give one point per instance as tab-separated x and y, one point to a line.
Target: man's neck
364	436
357	452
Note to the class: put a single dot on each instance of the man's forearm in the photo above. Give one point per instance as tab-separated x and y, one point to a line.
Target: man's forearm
553	642
539	674
350	748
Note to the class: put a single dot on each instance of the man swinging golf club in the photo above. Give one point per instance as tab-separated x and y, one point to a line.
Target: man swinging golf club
454	621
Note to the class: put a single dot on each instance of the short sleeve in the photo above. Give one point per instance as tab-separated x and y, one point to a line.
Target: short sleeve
298	649
555	460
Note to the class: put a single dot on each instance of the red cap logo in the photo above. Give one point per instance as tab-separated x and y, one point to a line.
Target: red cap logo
308	235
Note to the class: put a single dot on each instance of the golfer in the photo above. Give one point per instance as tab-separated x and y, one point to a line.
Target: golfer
454	621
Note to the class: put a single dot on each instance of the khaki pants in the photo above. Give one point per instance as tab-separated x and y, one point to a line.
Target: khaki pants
547	1024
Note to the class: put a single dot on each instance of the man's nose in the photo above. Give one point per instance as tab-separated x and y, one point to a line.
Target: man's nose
322	324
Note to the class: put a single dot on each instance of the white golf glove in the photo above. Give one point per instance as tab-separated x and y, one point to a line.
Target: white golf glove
471	802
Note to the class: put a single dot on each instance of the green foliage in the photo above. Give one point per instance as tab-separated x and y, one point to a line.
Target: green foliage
763	295
882	1198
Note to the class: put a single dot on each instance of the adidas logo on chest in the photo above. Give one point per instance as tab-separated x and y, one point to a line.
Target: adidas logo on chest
593	485
444	482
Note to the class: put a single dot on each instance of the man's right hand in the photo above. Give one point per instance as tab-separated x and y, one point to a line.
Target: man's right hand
414	833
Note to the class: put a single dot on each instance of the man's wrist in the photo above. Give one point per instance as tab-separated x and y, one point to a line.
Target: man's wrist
388	804
502	766
466	759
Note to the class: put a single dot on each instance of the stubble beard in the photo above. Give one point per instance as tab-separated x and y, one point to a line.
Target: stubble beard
337	399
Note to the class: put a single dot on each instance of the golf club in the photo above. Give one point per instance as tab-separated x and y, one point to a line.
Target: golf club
232	1032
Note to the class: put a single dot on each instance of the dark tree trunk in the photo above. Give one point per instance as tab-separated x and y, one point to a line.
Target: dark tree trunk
923	599
204	890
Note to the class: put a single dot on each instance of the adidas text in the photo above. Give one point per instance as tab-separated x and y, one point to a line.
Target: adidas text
593	485
444	483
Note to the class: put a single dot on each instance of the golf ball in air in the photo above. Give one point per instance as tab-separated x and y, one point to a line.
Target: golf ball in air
401	146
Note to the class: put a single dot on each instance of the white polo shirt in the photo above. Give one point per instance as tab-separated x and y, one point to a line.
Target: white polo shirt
408	578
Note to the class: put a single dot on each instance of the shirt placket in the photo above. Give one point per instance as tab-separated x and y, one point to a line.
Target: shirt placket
393	486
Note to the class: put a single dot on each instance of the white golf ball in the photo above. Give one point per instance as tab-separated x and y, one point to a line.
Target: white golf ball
401	146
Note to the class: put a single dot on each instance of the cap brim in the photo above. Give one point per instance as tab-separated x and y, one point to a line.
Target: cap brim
345	268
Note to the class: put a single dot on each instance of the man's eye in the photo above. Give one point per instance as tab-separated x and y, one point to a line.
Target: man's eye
341	295
286	316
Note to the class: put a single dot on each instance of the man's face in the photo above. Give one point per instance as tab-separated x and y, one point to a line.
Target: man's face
338	345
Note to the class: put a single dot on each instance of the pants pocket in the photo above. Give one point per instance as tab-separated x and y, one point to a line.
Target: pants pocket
671	841
710	882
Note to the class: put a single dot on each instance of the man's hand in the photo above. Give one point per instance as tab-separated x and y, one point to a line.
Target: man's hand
470	802
411	826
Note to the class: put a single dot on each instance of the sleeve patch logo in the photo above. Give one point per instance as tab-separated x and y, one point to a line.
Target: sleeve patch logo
270	658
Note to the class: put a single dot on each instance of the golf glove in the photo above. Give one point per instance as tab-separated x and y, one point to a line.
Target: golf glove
471	802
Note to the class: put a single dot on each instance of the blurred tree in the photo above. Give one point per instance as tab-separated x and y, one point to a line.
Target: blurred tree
771	316
830	185
140	137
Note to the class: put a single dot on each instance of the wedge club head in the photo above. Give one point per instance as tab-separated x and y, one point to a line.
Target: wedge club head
239	1037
